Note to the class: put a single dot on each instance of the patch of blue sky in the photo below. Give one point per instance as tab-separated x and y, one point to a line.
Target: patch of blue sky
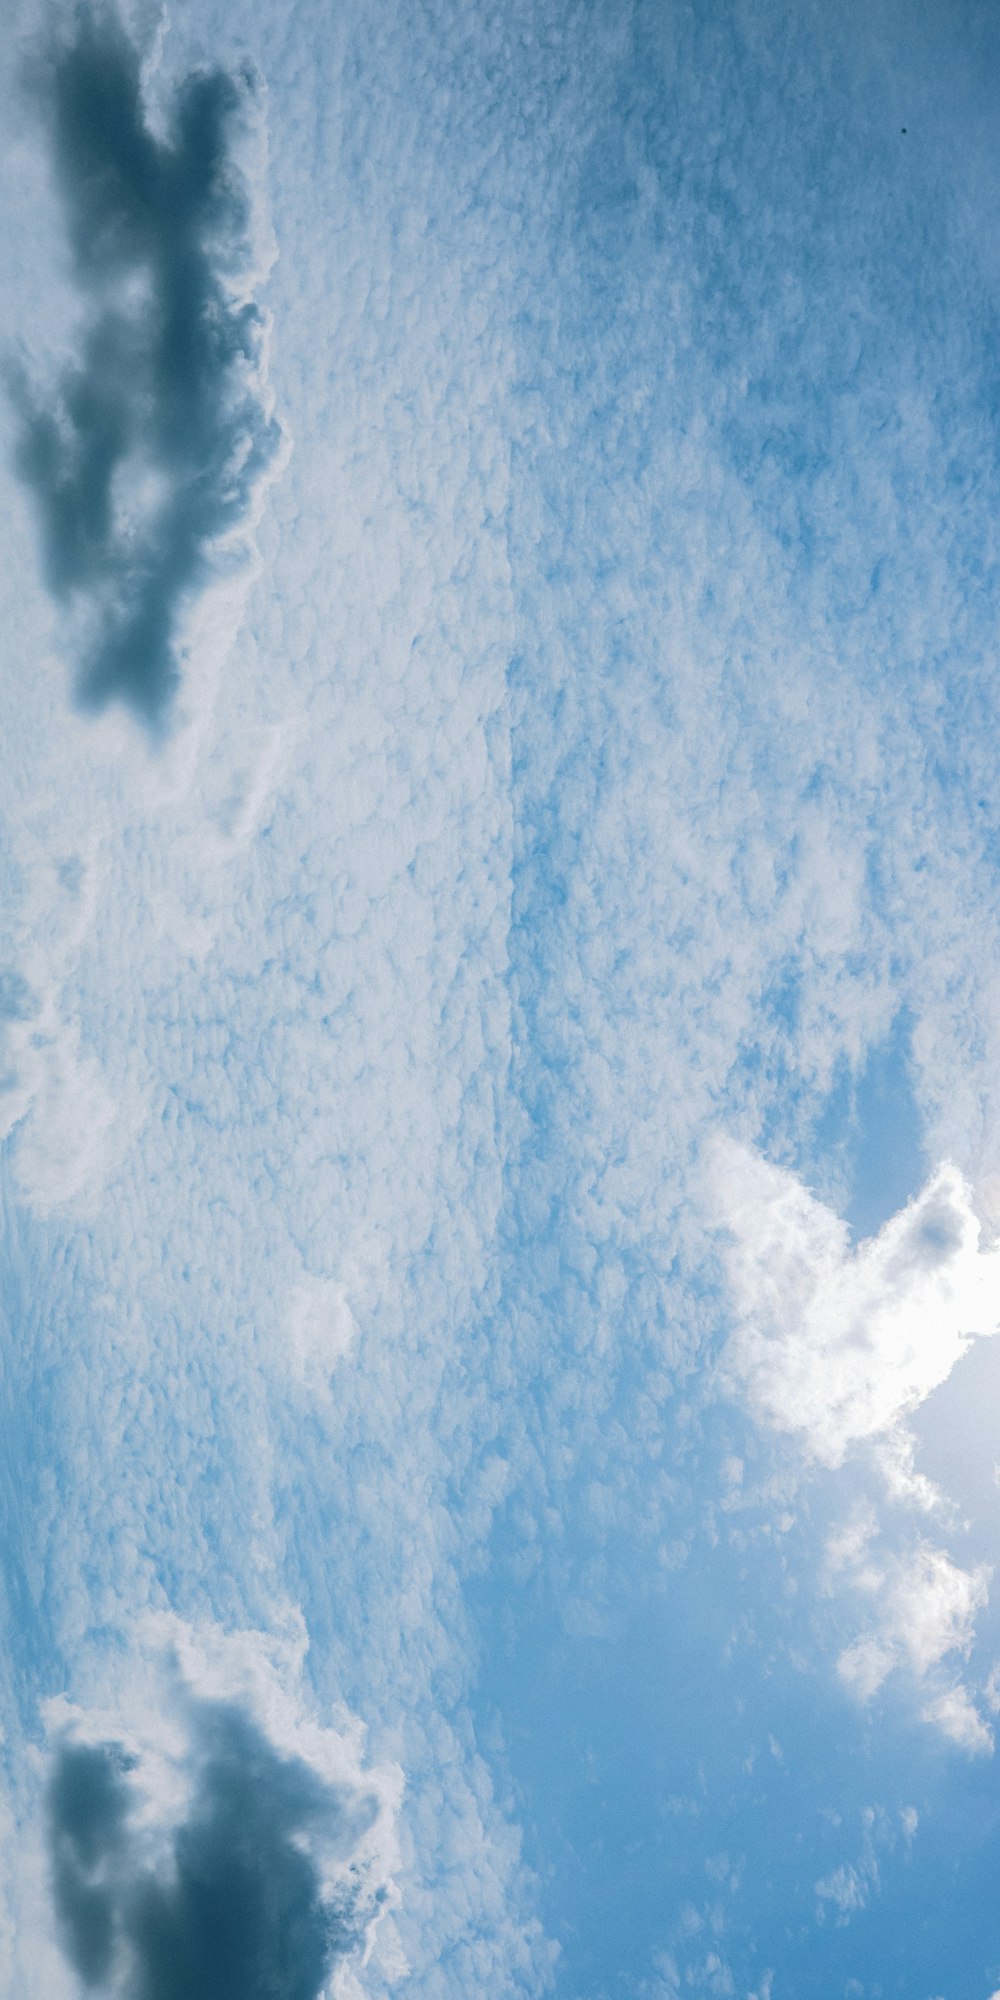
866	1151
688	1790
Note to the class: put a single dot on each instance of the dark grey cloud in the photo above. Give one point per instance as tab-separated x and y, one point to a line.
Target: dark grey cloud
88	1808
237	1908
149	446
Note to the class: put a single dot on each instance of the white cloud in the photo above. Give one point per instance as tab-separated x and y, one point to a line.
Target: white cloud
864	1665
847	1888
954	1712
156	1701
320	1330
931	1605
925	1611
836	1344
63	1152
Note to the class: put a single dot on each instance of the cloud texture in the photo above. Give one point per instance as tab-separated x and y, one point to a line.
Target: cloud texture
209	1861
146	452
593	826
836	1344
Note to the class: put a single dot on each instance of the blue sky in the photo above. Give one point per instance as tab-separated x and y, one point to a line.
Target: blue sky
500	1001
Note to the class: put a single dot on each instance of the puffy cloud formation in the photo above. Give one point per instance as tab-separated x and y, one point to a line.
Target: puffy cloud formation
147	452
836	1344
207	1859
926	1606
955	1713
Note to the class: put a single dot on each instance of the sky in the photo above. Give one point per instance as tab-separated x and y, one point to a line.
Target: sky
499	1000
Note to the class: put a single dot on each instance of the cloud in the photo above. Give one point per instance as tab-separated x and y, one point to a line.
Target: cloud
836	1344
955	1714
241	1912
209	1862
55	1103
927	1607
145	456
932	1604
89	1806
320	1330
848	1887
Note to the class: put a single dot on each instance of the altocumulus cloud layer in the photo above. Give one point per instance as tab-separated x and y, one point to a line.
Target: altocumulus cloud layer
146	452
574	797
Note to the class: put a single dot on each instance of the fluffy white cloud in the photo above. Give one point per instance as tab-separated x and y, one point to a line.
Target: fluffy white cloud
834	1346
955	1713
835	1343
320	1330
924	1611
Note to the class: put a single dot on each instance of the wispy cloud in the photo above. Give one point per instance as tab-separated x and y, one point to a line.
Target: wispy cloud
146	452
